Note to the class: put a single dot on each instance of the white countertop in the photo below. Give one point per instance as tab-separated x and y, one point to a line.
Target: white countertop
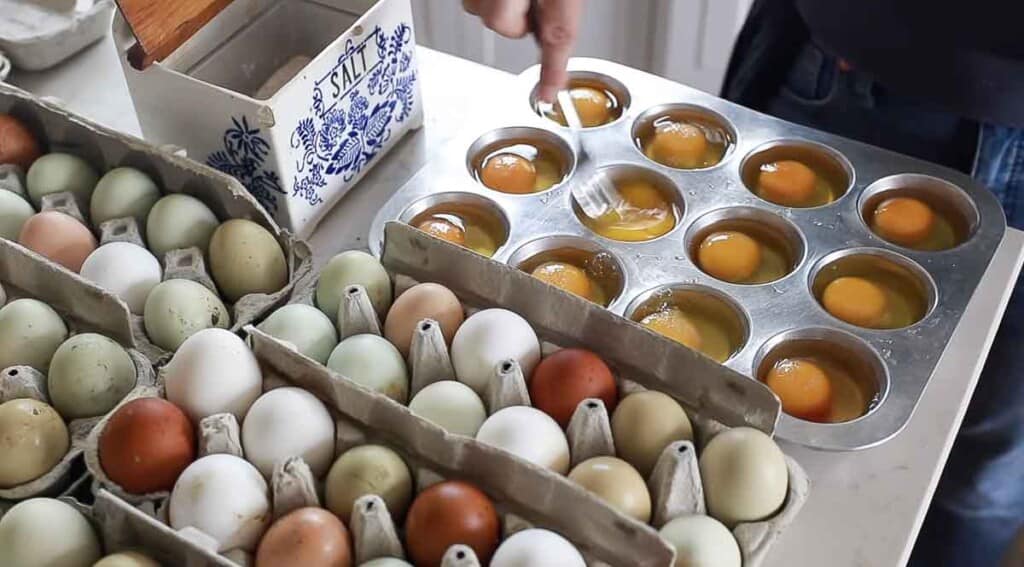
865	508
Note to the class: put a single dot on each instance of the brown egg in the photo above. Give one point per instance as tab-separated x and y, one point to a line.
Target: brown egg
422	301
616	482
644	424
33	439
17	144
59	237
446	514
146	444
439	228
311	537
509	173
567	277
566	378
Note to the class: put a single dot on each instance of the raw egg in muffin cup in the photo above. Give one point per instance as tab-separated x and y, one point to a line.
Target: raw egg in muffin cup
520	161
700	318
822	375
873	289
598	99
683	136
919	212
463	219
647	206
797	174
574	265
744	245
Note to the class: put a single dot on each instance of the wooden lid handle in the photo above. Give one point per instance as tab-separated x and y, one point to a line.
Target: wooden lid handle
160	26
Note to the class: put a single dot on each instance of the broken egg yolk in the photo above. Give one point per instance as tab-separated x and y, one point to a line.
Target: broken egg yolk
674	324
679	145
730	256
641	213
904	220
803	387
444	230
567	277
509	173
787	182
856	300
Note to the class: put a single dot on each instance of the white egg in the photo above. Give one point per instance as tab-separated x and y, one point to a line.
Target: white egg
452	405
372	361
224	497
529	434
285	423
537	548
213	372
702	541
305	327
127	270
745	476
386	562
43	532
488	338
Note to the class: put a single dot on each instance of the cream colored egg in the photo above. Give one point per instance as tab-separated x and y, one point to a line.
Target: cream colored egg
126	559
373	362
177	309
179	221
701	541
245	258
288	422
44	532
305	327
88	375
33	440
30	332
123	192
529	434
644	423
353	268
745	476
487	339
59	172
213	372
452	405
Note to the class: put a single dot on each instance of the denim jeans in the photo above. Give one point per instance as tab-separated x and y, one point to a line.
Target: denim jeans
979	504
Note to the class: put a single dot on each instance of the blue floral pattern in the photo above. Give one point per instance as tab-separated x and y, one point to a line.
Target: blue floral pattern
339	142
243	156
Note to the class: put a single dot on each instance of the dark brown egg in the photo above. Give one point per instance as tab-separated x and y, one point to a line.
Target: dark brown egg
566	378
449	513
146	444
311	537
17	144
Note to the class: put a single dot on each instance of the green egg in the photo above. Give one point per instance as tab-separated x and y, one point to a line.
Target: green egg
375	363
88	375
14	211
245	258
179	221
30	332
351	268
304	326
57	173
123	192
177	309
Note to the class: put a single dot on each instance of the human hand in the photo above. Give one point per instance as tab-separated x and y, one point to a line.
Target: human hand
558	23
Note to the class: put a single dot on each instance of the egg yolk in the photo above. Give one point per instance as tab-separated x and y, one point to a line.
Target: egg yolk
641	214
509	173
678	145
803	387
565	276
675	325
855	300
444	230
593	106
904	220
787	182
729	255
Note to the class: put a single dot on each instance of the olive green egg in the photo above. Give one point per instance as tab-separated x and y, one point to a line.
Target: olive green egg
30	332
373	362
177	309
88	375
353	268
246	258
33	440
14	211
59	172
123	192
304	326
179	221
368	469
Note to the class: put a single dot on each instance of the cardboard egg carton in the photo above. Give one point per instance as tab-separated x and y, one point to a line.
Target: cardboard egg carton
61	130
83	310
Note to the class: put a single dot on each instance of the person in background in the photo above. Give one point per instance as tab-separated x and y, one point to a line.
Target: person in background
938	80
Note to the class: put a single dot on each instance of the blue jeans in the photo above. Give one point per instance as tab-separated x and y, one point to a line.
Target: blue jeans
979	504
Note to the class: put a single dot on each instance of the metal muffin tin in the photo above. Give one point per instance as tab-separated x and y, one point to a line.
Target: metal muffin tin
901	360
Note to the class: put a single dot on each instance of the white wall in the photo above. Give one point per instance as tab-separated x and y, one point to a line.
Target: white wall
685	40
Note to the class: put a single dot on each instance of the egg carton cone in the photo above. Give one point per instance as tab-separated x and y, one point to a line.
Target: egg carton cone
59	129
38	38
12	178
63	203
219	434
356	315
293	486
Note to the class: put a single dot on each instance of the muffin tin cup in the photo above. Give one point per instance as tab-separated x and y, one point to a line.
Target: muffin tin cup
946	198
911	354
493	141
553	244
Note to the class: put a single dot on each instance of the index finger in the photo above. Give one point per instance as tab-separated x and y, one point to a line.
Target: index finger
559	23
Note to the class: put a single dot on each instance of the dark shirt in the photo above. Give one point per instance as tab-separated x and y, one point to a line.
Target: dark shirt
966	56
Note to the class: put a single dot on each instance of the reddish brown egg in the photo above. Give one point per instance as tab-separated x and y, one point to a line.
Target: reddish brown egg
59	237
449	513
566	378
17	144
146	444
311	537
422	301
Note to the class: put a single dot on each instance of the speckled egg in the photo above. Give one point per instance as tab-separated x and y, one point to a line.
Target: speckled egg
422	301
177	309
353	268
14	211
304	326
373	362
368	469
488	338
123	192
59	172
44	532
246	258
30	332
88	375
33	439
179	221
59	237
